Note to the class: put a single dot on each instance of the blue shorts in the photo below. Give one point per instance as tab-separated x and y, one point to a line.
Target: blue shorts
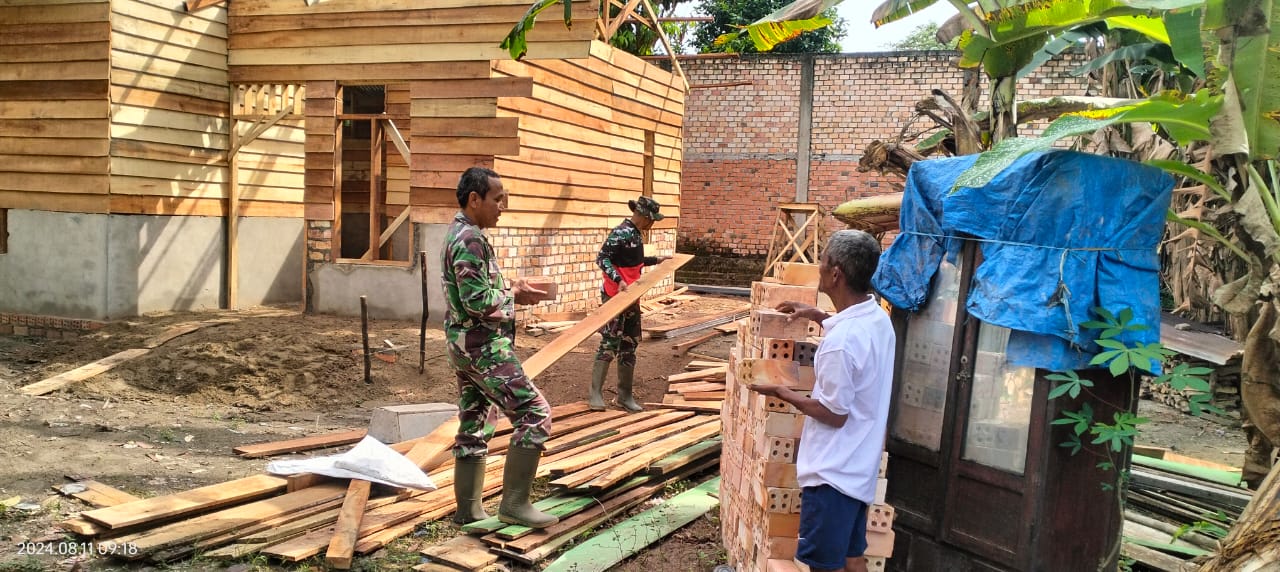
833	527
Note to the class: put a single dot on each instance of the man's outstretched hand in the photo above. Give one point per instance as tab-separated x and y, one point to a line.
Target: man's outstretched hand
801	310
526	294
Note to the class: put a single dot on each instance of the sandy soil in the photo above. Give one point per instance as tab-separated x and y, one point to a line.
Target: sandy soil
168	421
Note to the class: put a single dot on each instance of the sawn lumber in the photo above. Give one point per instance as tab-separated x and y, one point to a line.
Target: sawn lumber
300	444
552	352
187	502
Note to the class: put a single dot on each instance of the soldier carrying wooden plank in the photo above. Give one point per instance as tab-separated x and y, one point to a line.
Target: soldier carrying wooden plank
621	260
480	332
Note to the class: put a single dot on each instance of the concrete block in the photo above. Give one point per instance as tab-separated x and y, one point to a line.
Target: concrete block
396	423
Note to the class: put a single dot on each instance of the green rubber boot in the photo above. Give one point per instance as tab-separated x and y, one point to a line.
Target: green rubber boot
517	479
468	489
626	377
595	399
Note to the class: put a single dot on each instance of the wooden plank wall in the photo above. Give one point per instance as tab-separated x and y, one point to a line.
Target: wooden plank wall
170	109
54	105
382	41
272	167
583	140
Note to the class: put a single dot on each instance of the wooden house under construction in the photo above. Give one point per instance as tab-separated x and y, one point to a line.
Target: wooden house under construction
168	155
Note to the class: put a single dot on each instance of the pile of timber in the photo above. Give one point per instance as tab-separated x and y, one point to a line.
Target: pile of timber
1178	508
600	463
702	388
760	498
1224	387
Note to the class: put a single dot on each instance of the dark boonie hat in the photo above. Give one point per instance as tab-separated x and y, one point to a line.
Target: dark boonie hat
646	207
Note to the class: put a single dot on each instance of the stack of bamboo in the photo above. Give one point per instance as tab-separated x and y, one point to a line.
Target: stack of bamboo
605	456
760	498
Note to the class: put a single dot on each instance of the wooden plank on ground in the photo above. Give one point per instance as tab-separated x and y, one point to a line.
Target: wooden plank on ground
187	502
343	544
300	444
604	550
82	373
686	457
700	375
464	552
680	349
699	407
558	412
615	470
440	440
695	386
575	462
569	339
279	524
691	325
96	493
188	532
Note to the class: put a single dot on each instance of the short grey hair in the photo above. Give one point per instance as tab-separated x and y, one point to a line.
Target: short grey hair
856	254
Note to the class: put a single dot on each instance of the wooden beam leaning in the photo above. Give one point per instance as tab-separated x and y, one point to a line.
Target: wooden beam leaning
343	545
552	352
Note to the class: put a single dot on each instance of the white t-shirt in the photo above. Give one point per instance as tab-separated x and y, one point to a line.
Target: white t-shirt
854	370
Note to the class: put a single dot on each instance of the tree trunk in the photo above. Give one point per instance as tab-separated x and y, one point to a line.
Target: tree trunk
1260	391
1254	542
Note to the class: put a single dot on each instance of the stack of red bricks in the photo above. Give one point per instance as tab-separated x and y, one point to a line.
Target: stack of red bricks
760	499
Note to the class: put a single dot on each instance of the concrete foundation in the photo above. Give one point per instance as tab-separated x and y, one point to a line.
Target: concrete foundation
394	292
100	267
396	423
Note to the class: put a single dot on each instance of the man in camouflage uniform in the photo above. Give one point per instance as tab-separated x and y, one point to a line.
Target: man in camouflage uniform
621	260
480	333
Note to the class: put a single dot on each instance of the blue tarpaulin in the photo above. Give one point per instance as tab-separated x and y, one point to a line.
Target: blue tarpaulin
1061	233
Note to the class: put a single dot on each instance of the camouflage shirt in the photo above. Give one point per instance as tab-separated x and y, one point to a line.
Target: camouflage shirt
479	323
622	255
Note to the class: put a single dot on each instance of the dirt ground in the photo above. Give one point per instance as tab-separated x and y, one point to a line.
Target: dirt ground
167	421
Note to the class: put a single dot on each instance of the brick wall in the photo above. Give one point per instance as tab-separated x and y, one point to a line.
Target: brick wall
570	256
742	144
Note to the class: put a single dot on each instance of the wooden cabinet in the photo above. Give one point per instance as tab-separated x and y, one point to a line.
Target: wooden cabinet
976	473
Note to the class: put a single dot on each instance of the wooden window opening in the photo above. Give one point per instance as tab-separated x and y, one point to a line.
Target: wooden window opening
369	231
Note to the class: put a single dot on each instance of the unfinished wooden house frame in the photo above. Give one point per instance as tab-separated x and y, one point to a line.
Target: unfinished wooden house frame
259	151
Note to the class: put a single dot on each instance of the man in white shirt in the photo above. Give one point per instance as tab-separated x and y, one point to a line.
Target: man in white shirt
848	410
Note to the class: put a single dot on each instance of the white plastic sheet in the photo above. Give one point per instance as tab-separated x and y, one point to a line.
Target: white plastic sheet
369	460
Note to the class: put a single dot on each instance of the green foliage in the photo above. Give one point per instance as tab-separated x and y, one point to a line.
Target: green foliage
923	37
1071	386
1117	435
515	43
1212	529
894	10
1185	119
1251	49
753	26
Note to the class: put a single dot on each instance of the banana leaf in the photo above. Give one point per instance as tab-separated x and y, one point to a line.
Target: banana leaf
515	43
784	24
894	10
1185	119
1025	20
1132	53
1255	69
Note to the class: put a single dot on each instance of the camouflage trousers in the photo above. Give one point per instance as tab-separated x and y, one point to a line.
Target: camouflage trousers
482	393
621	336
